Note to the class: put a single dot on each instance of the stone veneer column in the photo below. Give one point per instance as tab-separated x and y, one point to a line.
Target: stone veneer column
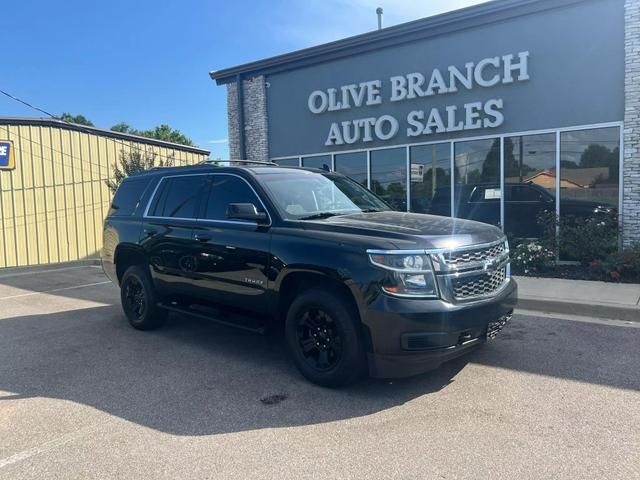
255	119
631	193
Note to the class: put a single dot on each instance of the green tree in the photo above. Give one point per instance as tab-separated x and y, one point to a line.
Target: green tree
79	119
135	162
161	132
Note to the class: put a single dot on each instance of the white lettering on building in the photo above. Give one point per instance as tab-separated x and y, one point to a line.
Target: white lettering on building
485	73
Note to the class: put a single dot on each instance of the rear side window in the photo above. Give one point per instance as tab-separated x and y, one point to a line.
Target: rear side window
127	197
226	189
178	197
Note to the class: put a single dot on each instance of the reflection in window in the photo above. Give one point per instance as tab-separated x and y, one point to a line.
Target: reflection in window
477	175
589	184
389	176
288	162
353	165
530	183
431	179
321	161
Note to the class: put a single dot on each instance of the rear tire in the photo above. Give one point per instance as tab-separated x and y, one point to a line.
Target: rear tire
324	338
140	299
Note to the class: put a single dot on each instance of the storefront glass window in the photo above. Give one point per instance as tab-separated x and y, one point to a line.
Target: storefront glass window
529	183
431	179
288	162
321	161
389	176
477	180
589	186
353	165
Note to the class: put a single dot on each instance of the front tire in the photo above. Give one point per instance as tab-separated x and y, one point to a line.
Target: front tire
140	300
324	338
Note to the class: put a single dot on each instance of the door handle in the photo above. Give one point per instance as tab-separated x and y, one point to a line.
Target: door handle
202	237
150	232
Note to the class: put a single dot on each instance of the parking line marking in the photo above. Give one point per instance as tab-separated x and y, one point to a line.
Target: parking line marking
576	318
56	290
44	448
52	270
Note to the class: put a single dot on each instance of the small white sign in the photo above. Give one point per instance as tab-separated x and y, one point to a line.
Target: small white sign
417	172
492	194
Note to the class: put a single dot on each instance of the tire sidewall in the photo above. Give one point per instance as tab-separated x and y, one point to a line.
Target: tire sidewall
352	364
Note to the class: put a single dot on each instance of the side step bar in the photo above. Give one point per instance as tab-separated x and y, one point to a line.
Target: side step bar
238	321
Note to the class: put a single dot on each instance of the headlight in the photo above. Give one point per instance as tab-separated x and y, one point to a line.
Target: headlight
412	274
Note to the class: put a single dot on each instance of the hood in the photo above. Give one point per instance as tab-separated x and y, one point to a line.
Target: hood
411	230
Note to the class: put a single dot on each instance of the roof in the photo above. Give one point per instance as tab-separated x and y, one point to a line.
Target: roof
52	122
466	18
208	167
581	177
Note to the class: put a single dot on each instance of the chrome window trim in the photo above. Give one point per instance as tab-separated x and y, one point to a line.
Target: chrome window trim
430	251
205	220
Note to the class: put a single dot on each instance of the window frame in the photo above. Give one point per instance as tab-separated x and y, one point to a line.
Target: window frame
200	206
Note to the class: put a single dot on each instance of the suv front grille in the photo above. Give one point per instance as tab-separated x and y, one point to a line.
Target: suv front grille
484	283
471	273
462	258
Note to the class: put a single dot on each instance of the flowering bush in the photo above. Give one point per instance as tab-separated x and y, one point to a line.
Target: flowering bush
529	258
619	265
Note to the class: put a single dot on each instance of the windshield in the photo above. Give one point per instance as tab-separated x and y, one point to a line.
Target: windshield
305	195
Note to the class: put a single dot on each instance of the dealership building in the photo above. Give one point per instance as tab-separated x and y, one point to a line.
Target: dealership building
494	108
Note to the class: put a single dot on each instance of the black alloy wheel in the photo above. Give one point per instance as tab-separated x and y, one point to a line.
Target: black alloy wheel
140	300
319	339
323	333
135	297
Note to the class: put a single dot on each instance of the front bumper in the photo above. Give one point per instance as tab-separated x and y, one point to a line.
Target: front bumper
412	336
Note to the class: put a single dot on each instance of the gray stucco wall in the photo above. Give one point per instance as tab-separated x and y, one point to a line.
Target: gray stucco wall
576	68
631	195
255	120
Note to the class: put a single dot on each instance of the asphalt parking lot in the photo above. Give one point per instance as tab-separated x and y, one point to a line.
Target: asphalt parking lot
83	395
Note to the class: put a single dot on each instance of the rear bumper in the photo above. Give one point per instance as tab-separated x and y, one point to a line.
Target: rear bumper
410	336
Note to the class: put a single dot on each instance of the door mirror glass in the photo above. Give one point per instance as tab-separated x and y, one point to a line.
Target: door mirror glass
245	211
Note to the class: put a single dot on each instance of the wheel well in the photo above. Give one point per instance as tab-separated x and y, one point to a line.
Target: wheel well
125	257
295	283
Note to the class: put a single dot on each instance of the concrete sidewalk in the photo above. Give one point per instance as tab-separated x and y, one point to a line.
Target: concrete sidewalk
616	301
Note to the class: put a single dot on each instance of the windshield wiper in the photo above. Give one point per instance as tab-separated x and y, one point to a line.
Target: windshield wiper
316	216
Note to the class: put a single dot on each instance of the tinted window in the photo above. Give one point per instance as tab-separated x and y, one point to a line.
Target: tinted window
525	194
288	162
322	162
389	176
179	197
127	197
226	189
353	165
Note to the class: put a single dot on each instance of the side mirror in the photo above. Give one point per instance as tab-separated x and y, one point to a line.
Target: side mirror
245	211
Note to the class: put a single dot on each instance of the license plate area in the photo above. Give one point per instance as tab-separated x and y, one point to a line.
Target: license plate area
493	328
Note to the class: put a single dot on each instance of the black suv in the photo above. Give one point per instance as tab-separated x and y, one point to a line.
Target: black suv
358	288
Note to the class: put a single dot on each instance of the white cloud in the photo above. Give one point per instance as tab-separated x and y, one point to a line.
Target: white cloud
319	21
218	141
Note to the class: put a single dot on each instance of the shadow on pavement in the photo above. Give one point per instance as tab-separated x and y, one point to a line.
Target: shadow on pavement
193	377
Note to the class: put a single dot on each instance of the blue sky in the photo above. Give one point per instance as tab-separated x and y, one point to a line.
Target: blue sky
147	62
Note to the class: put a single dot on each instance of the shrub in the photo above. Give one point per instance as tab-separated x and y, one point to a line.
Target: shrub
581	239
529	258
620	265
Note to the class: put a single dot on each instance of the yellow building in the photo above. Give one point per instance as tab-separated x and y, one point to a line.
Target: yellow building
54	200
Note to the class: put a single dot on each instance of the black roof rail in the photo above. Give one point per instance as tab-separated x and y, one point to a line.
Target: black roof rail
241	162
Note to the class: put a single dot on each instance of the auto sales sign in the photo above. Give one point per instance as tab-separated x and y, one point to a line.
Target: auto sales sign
7	158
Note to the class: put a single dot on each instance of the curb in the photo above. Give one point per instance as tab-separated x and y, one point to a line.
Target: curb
611	311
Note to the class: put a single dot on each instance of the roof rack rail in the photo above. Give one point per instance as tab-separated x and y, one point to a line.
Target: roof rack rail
241	162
